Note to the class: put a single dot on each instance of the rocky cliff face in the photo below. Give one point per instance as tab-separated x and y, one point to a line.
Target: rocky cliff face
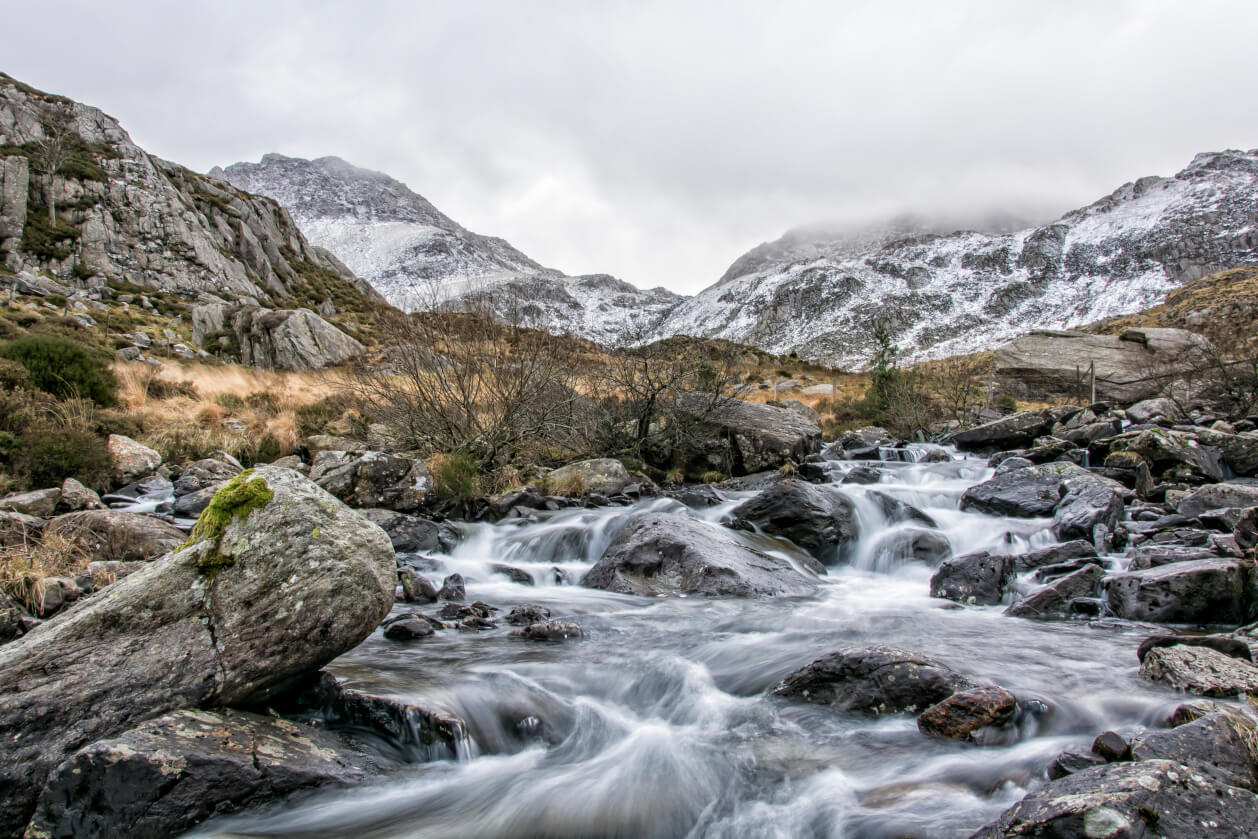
123	214
820	295
417	257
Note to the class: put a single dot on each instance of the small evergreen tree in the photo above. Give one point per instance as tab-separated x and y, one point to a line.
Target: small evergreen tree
884	371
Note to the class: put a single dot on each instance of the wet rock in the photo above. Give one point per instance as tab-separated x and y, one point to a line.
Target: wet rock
660	554
289	582
1142	799
1111	746
1004	433
192	504
966	713
453	588
873	680
550	631
1196	591
19	528
817	519
698	497
1088	501
1151	410
1227	645
1154	556
75	497
415	587
407	627
41	503
1216	496
913	544
515	575
1053	600
528	614
409	534
1053	555
898	511
1167	451
514	502
977	579
605	476
116	536
372	479
168	774
1008	464
1070	762
1224	745
1030	492
131	460
1199	670
862	475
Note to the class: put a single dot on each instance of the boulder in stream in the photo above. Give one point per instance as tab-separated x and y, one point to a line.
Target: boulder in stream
1200	670
1054	600
1213	591
277	578
977	579
965	714
661	554
1224	744
820	520
873	680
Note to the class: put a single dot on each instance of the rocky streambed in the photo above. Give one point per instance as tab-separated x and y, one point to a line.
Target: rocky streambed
901	640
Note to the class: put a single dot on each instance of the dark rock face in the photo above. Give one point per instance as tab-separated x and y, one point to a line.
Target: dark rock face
409	534
453	588
1141	799
914	544
873	680
1078	500
115	536
1054	600
1005	433
752	437
977	579
416	588
407	627
965	714
658	554
818	519
1200	670
170	773
1224	745
191	504
215	623
1196	591
1054	555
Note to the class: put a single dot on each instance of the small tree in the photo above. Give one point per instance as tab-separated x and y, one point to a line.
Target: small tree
52	152
883	368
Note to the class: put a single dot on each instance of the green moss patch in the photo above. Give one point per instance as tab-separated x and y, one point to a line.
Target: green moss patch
241	496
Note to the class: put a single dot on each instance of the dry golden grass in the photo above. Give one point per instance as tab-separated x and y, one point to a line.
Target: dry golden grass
187	409
25	568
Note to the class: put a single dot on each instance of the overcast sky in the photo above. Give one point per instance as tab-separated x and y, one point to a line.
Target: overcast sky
659	141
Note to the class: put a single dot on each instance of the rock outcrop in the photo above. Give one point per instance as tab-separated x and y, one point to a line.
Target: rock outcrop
278	578
295	339
820	520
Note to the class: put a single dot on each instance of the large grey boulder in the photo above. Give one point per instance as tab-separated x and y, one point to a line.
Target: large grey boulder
749	437
1169	450
604	475
116	536
659	554
277	579
170	773
1128	368
1148	410
1216	496
1200	670
1224	744
131	460
873	680
296	339
1077	499
820	520
372	479
1215	591
1148	798
40	503
1005	433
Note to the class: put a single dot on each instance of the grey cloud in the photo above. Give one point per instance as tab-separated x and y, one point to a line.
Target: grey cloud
657	141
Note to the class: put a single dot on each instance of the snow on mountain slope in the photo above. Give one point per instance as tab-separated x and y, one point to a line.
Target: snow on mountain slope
820	295
416	256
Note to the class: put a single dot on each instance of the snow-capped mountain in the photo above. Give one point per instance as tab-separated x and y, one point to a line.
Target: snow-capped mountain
820	294
416	256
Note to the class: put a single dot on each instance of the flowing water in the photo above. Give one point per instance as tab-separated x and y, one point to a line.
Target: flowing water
660	723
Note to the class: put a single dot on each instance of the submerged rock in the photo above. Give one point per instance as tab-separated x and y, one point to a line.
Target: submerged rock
660	554
965	714
278	578
873	680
